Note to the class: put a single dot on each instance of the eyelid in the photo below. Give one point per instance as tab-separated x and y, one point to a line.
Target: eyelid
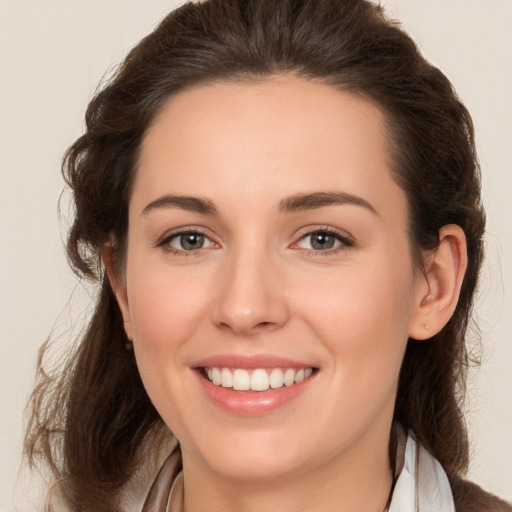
346	240
163	241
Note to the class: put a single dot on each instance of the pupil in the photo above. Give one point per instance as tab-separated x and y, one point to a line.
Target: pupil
192	241
322	241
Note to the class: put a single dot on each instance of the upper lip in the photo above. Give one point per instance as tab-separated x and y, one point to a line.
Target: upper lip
249	362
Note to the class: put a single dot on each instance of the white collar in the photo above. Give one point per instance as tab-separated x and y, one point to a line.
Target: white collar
422	485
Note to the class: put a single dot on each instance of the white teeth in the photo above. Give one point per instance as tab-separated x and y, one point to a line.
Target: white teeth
226	378
216	376
241	380
276	378
259	380
289	377
256	380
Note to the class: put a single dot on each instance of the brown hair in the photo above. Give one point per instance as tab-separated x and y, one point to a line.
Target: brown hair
91	420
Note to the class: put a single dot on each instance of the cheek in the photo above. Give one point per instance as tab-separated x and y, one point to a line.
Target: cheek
166	310
362	315
165	307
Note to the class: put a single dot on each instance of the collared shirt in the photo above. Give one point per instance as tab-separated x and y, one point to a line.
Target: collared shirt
421	483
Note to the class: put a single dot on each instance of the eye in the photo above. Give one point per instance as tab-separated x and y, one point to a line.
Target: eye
188	241
323	241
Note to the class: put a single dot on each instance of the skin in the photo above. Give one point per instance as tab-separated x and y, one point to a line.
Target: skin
257	287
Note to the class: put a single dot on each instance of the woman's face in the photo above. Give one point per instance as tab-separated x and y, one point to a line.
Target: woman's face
268	242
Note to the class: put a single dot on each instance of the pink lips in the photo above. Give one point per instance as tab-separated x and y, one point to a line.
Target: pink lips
250	403
249	362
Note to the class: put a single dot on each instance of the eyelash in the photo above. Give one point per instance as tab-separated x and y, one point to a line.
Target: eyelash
166	240
345	242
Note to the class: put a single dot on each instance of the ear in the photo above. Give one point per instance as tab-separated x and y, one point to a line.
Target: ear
439	287
117	284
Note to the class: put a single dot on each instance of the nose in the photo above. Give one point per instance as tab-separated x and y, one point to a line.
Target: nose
251	297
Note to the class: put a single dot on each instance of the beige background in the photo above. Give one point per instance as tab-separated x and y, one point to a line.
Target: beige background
52	55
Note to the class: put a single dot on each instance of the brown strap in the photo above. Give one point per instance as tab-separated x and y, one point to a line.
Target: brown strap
158	495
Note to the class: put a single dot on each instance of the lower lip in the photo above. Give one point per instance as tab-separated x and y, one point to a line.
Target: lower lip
252	403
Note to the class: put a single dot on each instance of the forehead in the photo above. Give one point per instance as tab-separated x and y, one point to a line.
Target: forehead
274	138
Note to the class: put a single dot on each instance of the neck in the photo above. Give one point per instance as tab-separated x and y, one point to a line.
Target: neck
358	479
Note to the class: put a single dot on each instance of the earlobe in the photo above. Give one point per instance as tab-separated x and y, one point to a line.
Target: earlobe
117	284
438	294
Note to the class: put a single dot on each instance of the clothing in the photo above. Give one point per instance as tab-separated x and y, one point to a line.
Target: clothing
421	484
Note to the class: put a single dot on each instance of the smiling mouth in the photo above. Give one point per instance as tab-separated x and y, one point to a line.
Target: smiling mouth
258	379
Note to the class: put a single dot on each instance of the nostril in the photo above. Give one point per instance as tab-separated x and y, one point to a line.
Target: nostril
265	326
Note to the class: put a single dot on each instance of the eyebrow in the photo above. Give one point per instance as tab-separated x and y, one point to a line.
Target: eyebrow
297	202
189	203
314	200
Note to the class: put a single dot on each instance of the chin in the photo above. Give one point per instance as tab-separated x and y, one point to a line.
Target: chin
257	468
254	457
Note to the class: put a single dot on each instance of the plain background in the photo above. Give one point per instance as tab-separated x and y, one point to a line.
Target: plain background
53	54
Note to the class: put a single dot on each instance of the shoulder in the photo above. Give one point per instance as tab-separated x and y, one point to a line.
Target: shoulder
469	497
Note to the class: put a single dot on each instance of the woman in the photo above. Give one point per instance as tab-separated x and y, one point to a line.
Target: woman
281	203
